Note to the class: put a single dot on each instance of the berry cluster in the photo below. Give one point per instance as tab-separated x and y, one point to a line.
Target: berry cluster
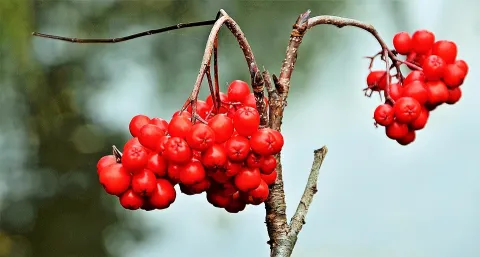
223	153
435	79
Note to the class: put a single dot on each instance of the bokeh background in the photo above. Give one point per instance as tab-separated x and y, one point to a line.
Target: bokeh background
63	105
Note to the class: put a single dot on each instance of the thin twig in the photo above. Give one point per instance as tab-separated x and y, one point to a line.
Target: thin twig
122	39
298	219
216	103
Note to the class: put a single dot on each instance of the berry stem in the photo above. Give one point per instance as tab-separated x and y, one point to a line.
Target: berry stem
216	99
117	154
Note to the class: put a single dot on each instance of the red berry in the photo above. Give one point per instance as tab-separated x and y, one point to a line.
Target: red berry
200	187
131	201
251	102
135	158
130	143
136	123
163	195
185	114
408	138
214	157
407	109
173	173
396	130
178	151
161	123
413	76
254	160
223	102
269	163
279	141
143	183
238	90
150	135
105	161
200	137
222	126
270	178
179	126
437	92
259	194
158	165
402	42
232	168
218	175
115	179
453	76
203	108
192	173
417	90
447	50
377	80
433	67
235	205
384	114
215	198
421	121
246	121
396	91
247	179
454	95
264	142
463	65
237	148
162	144
422	41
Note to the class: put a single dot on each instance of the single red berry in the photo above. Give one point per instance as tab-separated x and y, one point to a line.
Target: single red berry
433	67
247	179
222	126
115	179
238	90
185	114
144	182
158	165
150	135
237	148
279	141
269	178
454	95
246	121
437	92
269	163
408	138
173	173
200	137
136	123
203	108
131	201
396	91
377	80
159	122
130	143
264	142
135	158
422	41
192	173
179	126
402	42
420	58
396	130
201	186
214	157
105	161
223	102
463	65
384	115
232	168
178	151
259	194
413	76
254	160
447	50
420	122
163	195
407	109
453	76
235	205
417	90
162	144
216	199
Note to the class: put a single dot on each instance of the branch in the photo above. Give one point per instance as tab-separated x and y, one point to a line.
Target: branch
298	219
256	78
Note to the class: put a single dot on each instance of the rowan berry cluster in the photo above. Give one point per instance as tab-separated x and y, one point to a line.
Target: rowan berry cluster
223	152
435	79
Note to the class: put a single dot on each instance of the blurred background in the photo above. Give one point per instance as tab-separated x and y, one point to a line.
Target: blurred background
63	105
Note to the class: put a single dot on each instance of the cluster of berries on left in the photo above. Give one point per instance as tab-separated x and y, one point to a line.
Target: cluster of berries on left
224	153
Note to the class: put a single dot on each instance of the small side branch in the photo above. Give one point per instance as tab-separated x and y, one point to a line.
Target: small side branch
298	219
